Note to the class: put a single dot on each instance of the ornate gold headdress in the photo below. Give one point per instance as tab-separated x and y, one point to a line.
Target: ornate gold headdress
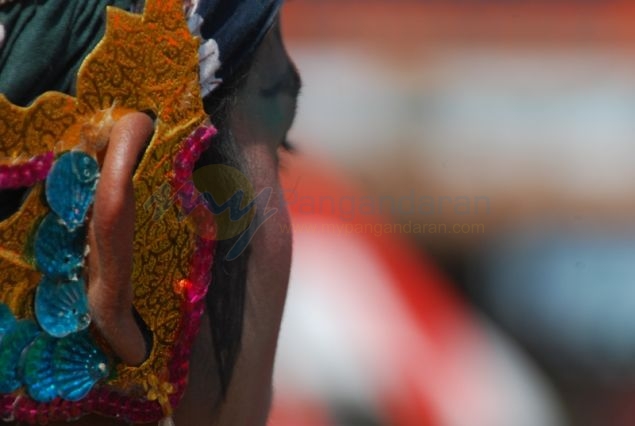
52	363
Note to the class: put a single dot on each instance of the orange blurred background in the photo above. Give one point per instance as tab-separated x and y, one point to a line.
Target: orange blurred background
527	104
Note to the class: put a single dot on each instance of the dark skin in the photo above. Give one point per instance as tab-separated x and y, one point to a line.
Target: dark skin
262	115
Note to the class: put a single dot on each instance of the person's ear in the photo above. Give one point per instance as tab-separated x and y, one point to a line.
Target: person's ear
111	235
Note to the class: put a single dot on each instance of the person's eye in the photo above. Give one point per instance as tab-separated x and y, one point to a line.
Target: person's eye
287	146
285	149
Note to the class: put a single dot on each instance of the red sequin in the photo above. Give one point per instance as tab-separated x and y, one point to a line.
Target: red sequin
26	174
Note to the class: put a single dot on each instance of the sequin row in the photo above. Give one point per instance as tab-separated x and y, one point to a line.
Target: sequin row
184	163
194	290
61	304
47	367
193	205
107	401
55	357
23	175
194	287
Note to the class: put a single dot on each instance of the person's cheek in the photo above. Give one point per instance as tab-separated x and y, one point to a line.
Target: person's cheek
272	241
270	257
267	278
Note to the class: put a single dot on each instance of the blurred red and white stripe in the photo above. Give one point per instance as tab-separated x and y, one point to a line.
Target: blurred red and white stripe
372	327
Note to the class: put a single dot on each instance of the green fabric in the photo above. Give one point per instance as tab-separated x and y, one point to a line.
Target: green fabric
45	43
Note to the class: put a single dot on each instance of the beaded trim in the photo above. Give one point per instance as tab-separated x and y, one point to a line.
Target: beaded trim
27	174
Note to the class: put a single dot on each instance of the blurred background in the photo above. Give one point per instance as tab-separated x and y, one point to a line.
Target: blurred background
499	135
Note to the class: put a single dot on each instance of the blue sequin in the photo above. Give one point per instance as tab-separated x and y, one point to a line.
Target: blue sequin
63	361
78	364
11	347
61	308
7	320
59	252
37	367
58	358
70	187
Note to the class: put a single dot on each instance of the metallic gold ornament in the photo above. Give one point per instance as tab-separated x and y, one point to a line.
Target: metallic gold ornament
146	63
